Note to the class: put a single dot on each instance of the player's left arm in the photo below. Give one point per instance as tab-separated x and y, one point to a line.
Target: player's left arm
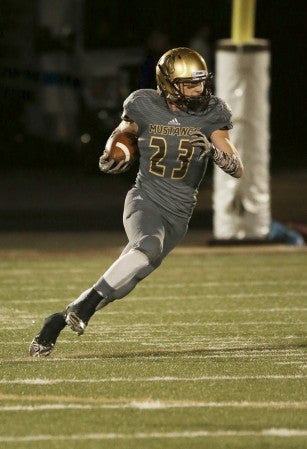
225	155
220	149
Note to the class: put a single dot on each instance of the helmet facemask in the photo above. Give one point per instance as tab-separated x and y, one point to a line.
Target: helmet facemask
182	65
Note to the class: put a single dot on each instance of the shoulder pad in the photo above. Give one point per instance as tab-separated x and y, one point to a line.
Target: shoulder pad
136	103
218	110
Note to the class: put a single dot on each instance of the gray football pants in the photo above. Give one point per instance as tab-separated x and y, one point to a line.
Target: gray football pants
152	233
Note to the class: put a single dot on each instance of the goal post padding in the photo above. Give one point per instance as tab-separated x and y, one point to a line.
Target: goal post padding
241	207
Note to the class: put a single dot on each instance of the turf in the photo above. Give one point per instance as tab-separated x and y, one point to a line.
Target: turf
208	352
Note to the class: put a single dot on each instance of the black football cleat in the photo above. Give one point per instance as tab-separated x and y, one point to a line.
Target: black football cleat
79	312
37	349
75	323
43	343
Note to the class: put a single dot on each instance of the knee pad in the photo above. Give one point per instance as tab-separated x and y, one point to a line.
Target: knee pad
151	246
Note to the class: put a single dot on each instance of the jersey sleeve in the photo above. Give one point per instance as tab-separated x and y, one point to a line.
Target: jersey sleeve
129	109
134	108
219	116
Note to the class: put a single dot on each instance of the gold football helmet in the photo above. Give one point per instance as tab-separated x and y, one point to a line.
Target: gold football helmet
183	65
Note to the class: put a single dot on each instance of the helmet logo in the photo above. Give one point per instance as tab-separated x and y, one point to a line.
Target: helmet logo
170	63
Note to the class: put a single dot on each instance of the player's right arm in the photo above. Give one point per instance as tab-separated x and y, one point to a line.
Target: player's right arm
106	165
127	126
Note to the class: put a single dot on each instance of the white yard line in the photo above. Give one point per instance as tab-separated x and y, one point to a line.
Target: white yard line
210	310
44	381
136	328
169	286
205	295
163	355
273	432
284	294
156	405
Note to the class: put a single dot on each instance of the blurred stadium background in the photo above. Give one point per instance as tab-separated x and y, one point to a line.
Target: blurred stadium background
67	65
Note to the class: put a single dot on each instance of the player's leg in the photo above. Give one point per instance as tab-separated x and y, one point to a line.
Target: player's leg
44	341
76	316
151	237
145	231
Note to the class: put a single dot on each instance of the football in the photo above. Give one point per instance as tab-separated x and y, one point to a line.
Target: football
122	146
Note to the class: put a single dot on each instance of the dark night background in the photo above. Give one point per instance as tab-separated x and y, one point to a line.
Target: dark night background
30	147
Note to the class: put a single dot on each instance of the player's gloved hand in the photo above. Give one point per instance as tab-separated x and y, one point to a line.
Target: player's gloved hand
110	166
199	140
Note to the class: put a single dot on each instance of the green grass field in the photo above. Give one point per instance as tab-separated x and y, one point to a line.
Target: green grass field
208	352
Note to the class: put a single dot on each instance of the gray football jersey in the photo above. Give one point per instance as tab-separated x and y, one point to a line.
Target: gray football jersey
170	172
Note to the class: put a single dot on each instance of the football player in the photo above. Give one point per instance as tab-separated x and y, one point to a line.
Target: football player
179	126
